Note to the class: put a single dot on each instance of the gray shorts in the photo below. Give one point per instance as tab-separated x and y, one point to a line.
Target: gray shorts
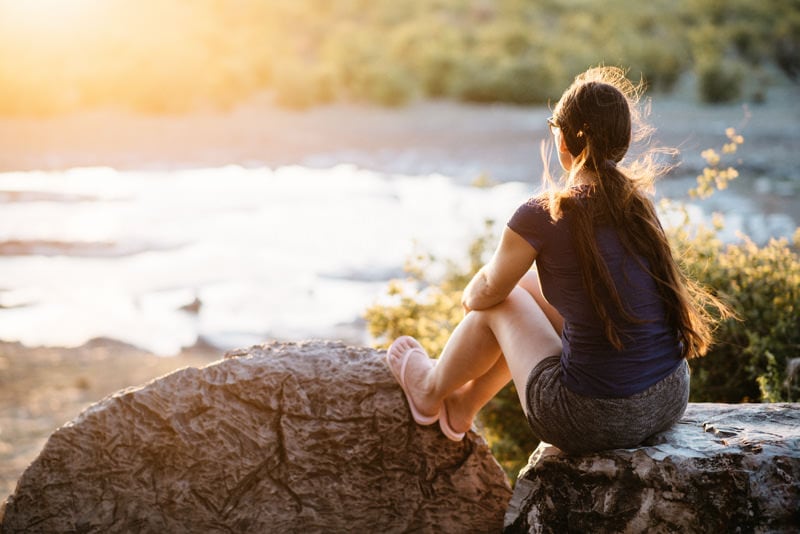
577	424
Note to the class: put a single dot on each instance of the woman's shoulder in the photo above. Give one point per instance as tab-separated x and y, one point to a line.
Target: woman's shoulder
537	202
559	203
537	206
533	216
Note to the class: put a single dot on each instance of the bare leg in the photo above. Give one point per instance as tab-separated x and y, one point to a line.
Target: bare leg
530	283
487	347
473	373
466	401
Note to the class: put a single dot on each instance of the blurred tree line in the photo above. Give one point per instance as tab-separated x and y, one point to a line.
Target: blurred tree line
173	56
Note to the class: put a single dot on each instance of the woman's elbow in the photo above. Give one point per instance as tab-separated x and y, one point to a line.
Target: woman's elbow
486	298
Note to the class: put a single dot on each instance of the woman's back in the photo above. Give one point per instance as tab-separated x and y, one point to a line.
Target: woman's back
592	365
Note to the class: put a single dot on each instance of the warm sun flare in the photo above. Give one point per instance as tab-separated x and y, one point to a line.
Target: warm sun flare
45	15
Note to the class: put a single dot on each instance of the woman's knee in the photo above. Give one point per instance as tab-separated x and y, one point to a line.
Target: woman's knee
520	307
530	283
520	314
517	299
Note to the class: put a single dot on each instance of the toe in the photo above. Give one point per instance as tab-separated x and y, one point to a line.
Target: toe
402	345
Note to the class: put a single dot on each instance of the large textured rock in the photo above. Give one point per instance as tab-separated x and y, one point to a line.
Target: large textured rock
279	438
722	468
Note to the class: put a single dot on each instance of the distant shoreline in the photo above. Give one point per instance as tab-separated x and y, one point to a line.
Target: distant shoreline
462	141
455	139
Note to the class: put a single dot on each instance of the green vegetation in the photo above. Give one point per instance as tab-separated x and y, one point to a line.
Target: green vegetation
750	361
732	41
168	56
752	357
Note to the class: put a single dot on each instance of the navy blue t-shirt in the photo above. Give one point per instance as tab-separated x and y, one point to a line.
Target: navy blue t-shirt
591	365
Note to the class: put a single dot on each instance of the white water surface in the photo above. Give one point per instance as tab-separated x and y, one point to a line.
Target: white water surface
289	253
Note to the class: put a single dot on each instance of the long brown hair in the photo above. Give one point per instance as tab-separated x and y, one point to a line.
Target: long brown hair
599	116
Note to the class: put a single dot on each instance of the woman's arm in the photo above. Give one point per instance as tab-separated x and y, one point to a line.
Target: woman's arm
493	283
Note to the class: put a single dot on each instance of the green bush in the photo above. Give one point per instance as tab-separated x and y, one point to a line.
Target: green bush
431	51
301	87
383	84
515	81
751	357
660	66
785	43
719	81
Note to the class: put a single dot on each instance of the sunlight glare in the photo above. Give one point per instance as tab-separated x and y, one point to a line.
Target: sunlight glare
46	15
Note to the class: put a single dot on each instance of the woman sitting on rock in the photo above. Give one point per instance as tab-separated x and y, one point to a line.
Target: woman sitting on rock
597	336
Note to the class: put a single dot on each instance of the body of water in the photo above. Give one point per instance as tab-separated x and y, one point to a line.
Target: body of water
236	255
232	255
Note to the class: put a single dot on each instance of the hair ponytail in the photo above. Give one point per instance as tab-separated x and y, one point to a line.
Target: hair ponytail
598	118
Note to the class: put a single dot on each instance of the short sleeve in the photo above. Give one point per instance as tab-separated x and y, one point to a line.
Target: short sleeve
532	221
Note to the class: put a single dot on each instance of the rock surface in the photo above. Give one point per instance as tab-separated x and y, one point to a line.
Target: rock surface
277	438
722	468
